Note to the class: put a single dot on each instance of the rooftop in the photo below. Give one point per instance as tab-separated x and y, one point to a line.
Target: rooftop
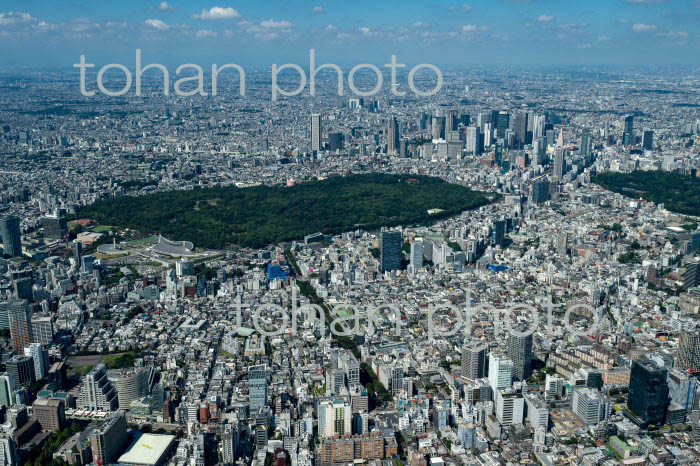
146	449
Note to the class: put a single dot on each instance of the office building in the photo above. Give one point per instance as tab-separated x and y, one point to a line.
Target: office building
498	235
77	252
257	388
474	360
334	418
589	405
396	380
540	191
628	131
417	251
350	366
109	440
648	392
11	236
50	413
520	352
21	369
391	252
20	322
648	140
474	140
230	439
23	289
360	423
501	122
510	407
96	392
5	314
500	372
586	145
520	126
691	276
8	451
537	411
55	226
393	137
563	243
42	330
466	434
450	122
7	388
315	132
559	164
553	387
40	355
683	389
689	351
130	383
335	141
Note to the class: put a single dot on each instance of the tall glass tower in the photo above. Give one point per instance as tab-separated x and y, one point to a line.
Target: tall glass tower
648	393
257	388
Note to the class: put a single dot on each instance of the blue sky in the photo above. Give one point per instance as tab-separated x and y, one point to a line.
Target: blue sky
478	32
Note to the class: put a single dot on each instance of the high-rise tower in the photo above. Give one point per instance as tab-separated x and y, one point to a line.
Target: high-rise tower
11	236
393	137
315	132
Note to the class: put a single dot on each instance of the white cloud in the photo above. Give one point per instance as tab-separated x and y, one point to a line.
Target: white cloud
641	27
463	8
419	24
603	38
165	6
545	18
157	23
675	35
318	10
584	46
15	18
367	32
330	28
205	34
269	29
218	12
342	35
116	24
473	28
272	24
46	26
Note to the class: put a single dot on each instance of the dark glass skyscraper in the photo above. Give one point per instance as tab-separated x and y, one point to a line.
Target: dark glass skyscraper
393	136
520	352
502	123
648	392
391	253
628	131
11	237
498	235
521	129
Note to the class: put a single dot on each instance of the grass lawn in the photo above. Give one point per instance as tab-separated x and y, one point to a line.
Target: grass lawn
103	229
120	360
139	243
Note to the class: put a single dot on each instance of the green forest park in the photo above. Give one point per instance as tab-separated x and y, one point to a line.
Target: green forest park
679	193
219	217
